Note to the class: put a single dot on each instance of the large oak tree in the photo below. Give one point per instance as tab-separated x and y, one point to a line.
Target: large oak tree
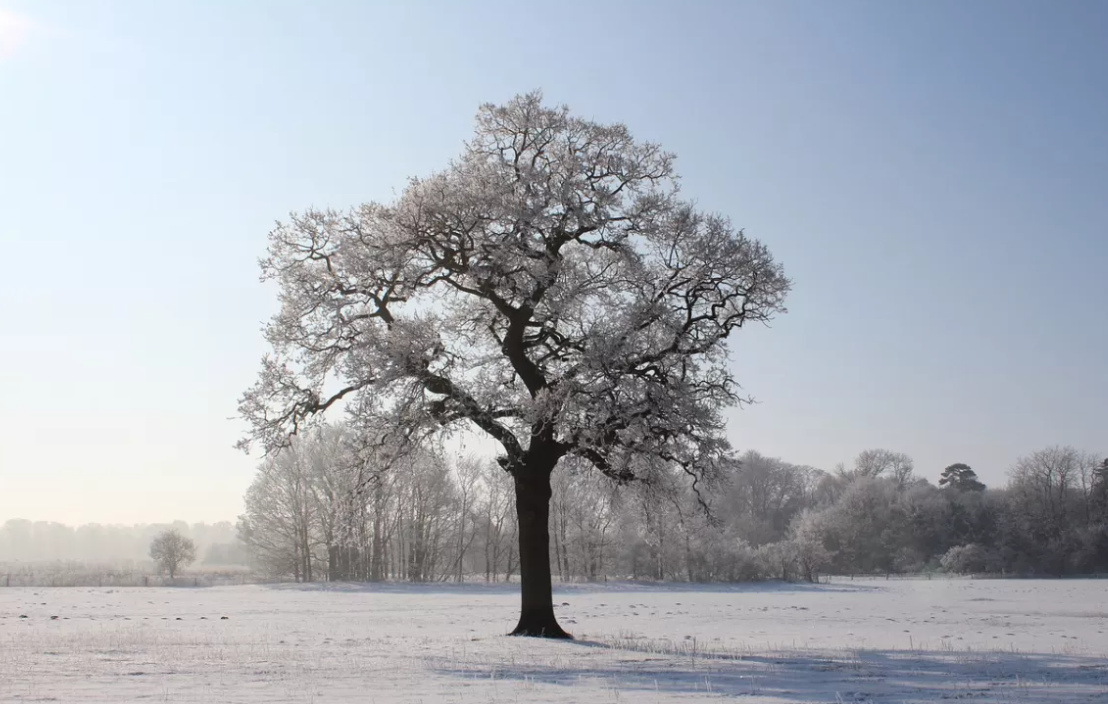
549	288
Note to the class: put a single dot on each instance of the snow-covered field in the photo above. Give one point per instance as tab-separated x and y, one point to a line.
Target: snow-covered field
874	641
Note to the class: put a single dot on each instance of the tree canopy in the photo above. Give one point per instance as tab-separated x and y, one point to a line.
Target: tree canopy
961	477
171	551
550	288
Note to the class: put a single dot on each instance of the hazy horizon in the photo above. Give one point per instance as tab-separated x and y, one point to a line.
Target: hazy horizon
931	175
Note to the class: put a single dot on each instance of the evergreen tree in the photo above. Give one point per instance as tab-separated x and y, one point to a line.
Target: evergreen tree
960	477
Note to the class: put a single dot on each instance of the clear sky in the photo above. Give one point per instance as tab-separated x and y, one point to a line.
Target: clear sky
934	176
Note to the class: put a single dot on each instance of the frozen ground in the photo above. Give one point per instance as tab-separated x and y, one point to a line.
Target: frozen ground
909	641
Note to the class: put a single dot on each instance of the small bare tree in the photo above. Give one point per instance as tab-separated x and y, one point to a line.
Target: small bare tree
171	551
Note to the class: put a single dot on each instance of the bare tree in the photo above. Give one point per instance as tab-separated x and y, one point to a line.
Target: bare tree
467	472
876	463
766	493
1099	490
328	467
498	521
1044	486
807	538
584	506
171	551
280	519
549	288
1088	466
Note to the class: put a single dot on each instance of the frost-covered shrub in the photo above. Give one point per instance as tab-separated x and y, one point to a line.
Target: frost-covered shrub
723	560
967	559
778	560
908	560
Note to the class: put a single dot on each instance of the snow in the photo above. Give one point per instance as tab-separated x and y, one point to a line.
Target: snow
1039	641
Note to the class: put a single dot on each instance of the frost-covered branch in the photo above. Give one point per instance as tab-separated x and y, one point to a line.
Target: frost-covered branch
549	287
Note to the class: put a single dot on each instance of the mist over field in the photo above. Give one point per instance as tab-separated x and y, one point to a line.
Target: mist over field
38	541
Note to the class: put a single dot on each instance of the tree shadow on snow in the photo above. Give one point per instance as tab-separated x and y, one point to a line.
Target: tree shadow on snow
715	587
841	676
474	588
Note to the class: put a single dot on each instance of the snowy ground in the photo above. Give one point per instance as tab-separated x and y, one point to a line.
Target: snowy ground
874	641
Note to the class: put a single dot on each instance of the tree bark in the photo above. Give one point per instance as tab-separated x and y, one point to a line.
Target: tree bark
532	485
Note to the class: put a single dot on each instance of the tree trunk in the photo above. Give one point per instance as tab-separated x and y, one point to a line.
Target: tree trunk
559	546
307	551
532	484
488	547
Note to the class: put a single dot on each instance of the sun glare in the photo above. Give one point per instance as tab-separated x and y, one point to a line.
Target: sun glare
13	32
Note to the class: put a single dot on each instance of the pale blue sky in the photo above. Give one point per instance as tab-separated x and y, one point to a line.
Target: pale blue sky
934	175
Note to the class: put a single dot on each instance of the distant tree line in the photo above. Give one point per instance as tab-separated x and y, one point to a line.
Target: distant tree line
24	541
315	512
